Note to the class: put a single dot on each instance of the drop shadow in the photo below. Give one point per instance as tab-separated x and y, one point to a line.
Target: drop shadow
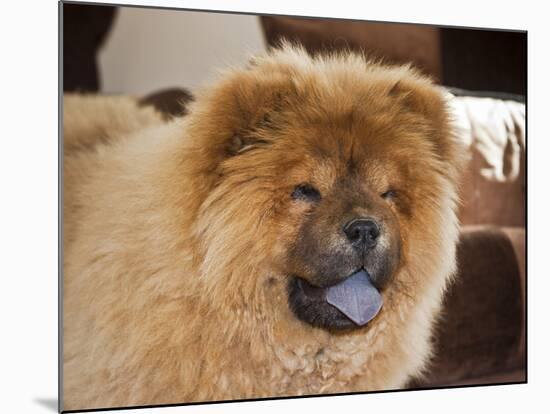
49	403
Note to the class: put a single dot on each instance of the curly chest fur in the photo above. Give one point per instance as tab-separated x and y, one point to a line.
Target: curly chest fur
295	360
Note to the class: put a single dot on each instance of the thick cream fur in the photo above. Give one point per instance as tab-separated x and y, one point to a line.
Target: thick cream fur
171	291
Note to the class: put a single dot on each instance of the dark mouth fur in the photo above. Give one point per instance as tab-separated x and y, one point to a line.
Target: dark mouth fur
309	304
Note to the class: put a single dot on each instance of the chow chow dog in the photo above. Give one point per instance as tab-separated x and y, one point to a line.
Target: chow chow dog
293	234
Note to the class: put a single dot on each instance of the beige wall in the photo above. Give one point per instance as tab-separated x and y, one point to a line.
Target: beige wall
150	49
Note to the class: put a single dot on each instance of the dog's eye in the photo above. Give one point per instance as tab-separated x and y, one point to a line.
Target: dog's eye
306	192
389	195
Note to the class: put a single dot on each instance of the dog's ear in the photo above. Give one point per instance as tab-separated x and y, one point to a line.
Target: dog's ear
244	111
258	105
256	123
421	97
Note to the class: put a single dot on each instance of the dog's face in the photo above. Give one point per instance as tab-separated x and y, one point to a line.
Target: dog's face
349	222
349	200
322	173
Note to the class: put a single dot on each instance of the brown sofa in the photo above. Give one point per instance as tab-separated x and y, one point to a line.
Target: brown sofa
481	60
481	336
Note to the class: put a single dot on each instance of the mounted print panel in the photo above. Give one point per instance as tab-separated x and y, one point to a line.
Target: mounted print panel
259	207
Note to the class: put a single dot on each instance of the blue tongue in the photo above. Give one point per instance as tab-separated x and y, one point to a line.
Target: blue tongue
356	297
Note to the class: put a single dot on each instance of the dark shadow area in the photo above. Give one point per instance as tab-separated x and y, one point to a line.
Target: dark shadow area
49	403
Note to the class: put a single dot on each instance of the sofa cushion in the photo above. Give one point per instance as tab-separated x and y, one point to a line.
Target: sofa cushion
397	43
493	189
481	337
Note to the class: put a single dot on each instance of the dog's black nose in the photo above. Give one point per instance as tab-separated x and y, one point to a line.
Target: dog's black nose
362	233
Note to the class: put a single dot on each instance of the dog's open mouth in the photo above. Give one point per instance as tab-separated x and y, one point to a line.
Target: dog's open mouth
351	303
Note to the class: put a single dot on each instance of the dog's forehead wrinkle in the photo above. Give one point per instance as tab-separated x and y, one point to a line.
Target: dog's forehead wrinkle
349	188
